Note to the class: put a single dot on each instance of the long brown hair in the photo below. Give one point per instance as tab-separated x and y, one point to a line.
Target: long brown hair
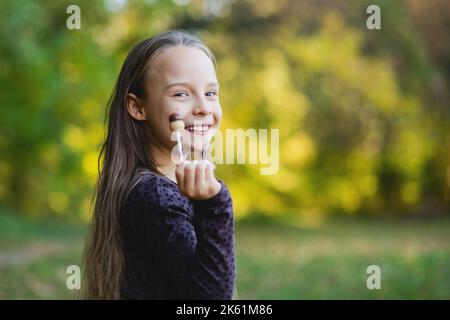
124	152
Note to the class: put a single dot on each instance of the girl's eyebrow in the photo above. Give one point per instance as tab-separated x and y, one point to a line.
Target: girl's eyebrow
210	84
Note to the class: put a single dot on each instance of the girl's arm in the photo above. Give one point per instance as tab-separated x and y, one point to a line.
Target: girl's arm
214	223
197	252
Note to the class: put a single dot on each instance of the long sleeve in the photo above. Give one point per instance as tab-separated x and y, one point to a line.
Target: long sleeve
191	241
214	223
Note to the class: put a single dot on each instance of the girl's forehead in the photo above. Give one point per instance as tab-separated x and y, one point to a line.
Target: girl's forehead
182	62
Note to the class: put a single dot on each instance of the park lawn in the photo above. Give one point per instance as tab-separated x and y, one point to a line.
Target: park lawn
282	262
274	261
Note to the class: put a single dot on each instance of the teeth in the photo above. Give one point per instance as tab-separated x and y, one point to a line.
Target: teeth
197	128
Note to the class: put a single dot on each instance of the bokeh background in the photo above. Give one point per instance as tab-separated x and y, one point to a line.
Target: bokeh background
364	119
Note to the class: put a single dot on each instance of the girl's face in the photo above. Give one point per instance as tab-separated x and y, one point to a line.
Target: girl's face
182	79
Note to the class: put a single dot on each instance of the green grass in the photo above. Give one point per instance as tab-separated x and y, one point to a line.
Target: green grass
16	230
281	262
41	279
274	261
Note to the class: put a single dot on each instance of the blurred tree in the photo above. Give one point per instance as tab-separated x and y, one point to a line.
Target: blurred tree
363	115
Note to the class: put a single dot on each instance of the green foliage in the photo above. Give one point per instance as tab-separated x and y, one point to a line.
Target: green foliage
363	128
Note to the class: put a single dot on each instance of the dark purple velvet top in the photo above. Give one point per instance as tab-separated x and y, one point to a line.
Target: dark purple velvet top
174	247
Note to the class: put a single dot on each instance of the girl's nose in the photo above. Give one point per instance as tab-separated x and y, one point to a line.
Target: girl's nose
202	108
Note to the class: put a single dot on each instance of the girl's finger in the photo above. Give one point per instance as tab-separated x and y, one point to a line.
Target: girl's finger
200	176
179	174
210	173
189	177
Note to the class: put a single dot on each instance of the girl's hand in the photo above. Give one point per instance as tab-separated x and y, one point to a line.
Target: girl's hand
196	179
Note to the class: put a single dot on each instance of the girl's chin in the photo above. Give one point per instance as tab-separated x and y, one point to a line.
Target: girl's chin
196	148
198	142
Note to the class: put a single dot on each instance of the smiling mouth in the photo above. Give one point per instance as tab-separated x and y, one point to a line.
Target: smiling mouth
198	129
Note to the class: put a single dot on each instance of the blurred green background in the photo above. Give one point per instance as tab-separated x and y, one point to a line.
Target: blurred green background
364	119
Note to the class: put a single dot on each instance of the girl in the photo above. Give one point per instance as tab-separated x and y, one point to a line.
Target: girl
161	230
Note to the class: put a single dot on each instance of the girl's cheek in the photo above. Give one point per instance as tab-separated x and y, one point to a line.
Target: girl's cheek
218	115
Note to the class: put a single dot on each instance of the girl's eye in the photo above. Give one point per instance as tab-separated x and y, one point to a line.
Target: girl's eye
211	93
180	94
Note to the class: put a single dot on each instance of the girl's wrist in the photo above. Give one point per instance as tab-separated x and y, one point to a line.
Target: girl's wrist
215	189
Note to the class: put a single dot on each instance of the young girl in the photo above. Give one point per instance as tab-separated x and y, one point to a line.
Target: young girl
161	229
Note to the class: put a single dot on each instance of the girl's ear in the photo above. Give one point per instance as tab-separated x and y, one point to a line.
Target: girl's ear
135	107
